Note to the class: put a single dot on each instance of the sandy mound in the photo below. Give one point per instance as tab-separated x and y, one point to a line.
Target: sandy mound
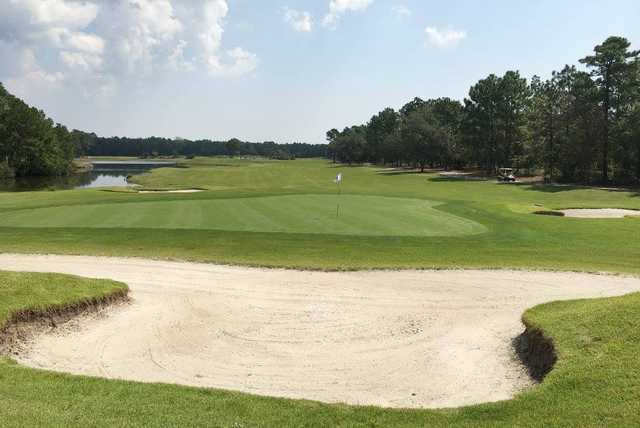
398	339
172	191
461	175
599	213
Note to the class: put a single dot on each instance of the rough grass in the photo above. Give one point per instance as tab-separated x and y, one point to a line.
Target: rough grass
596	380
25	295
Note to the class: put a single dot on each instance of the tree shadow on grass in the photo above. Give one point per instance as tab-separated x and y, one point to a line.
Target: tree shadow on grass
554	188
558	188
458	179
397	172
407	171
344	165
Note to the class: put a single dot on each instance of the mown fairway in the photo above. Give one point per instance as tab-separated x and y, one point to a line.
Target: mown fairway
323	214
277	213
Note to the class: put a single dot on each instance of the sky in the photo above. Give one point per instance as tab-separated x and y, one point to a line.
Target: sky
279	70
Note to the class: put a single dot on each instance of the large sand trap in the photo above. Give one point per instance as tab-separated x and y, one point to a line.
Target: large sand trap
398	339
599	213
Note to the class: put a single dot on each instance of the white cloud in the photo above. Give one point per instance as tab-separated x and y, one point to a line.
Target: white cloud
101	42
444	38
60	13
242	62
177	60
81	60
299	21
157	17
239	61
338	7
138	33
26	74
85	42
38	21
211	37
401	11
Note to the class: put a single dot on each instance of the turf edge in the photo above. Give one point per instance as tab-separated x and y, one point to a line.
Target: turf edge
20	323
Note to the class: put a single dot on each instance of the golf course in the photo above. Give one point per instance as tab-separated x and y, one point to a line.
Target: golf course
334	213
401	226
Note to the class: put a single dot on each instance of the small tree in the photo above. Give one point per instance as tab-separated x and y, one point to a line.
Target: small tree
351	145
378	129
424	138
545	122
233	147
332	136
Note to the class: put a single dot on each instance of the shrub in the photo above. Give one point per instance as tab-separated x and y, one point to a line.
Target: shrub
6	171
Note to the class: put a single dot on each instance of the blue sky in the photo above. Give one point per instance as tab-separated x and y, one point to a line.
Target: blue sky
283	70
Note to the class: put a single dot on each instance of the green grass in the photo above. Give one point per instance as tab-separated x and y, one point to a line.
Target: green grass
270	213
274	213
321	214
596	381
39	291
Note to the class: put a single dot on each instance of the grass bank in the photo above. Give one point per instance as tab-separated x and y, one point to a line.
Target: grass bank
27	298
595	382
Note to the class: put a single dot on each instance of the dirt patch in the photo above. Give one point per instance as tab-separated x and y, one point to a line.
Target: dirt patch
600	213
536	351
386	338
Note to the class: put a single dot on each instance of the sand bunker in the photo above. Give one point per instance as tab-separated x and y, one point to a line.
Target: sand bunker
599	213
397	339
461	175
172	191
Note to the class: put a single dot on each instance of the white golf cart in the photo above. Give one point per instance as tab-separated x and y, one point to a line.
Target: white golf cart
506	175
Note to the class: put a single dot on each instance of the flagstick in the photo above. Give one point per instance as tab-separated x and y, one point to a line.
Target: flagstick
338	181
338	206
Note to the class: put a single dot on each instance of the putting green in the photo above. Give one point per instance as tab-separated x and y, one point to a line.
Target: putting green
358	215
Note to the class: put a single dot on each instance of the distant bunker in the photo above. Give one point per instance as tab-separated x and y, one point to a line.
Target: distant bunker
599	213
171	191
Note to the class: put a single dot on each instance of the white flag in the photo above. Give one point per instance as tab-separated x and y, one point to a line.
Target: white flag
339	178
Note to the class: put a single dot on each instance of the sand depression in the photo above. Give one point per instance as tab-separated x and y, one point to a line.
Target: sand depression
387	338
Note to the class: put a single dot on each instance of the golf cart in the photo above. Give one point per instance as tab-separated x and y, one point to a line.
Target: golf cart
506	175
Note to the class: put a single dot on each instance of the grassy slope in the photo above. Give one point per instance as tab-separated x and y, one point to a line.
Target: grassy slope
595	382
515	238
39	291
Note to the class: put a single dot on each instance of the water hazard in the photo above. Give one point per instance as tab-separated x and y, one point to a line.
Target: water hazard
103	174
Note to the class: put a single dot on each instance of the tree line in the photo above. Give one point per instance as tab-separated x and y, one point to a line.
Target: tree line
576	126
92	145
30	142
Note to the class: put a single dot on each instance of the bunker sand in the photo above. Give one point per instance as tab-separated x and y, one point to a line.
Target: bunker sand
600	213
171	191
385	338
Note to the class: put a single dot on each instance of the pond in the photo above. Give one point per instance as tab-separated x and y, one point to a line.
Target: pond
104	174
